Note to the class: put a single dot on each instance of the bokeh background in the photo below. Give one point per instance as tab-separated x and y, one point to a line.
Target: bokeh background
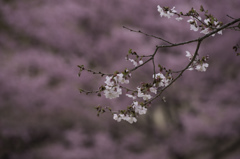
43	115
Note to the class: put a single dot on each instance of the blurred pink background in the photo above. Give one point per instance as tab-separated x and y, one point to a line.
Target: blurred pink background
43	115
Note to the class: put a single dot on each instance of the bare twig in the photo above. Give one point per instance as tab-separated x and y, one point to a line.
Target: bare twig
231	17
139	31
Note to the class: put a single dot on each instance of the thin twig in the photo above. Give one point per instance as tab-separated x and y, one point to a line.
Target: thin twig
231	17
152	57
139	31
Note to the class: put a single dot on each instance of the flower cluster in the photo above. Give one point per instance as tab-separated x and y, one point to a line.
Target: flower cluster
139	109
206	26
132	112
197	64
144	92
166	12
210	24
112	88
143	95
135	62
129	118
161	80
193	23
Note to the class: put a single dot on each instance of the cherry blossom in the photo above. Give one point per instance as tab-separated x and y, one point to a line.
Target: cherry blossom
120	79
193	23
153	90
197	64
131	96
136	63
161	80
112	91
139	109
179	18
129	118
143	95
189	55
165	12
202	67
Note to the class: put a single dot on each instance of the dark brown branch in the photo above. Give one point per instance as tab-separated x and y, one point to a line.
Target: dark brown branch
203	37
180	74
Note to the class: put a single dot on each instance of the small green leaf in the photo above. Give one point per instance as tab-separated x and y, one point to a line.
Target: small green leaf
130	51
80	90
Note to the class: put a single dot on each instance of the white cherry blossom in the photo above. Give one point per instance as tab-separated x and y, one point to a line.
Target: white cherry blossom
131	96
142	95
153	90
193	23
202	67
164	82
189	55
207	21
117	117
120	79
134	62
140	62
129	118
109	81
206	31
168	13
179	18
139	109
197	64
112	91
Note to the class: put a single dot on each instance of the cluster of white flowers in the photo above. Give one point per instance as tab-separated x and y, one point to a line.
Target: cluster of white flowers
179	18
193	21
162	81
112	88
143	95
205	29
130	118
138	109
112	91
153	90
208	30
166	12
197	64
136	63
131	96
202	67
